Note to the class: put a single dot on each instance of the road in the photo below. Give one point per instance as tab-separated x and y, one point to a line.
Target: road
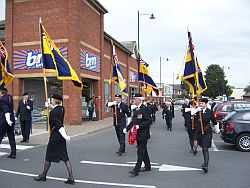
96	165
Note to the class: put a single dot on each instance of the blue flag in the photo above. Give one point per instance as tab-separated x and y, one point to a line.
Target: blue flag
53	61
6	75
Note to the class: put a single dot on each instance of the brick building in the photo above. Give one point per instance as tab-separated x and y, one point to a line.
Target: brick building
77	29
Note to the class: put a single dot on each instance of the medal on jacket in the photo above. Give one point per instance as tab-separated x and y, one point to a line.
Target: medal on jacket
139	116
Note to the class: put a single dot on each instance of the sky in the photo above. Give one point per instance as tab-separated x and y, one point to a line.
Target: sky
220	31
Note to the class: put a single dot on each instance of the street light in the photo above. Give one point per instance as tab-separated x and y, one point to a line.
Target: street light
151	17
161	58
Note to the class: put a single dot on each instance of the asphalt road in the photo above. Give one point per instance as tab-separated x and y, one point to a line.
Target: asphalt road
96	165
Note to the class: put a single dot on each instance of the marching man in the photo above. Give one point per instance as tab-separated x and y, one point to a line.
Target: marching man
142	120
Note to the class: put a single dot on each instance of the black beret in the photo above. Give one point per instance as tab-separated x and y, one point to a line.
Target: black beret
57	97
205	100
137	95
25	93
117	95
2	88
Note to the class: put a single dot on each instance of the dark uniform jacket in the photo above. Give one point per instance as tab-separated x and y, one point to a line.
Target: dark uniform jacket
25	113
142	118
207	116
167	112
121	112
6	106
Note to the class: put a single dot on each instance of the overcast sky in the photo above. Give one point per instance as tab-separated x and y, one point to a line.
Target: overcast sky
220	29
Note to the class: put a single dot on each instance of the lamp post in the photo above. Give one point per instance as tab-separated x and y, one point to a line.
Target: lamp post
161	58
151	17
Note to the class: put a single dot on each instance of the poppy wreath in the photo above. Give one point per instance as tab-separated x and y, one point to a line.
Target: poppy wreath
132	135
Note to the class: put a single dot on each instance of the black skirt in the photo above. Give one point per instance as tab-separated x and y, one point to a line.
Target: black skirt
204	140
56	149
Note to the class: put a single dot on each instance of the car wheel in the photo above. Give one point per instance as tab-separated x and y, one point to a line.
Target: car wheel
243	142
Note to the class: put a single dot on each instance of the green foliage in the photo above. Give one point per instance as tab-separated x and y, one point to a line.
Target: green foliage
217	85
247	89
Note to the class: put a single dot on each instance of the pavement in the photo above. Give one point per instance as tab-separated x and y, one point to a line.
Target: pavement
41	136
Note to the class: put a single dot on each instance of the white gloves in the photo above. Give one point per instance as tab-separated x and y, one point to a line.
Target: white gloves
64	135
28	107
193	111
7	117
16	118
137	126
46	104
111	103
199	109
188	109
133	106
217	128
129	119
124	130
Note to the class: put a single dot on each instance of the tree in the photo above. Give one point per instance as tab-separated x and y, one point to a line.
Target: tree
217	85
247	89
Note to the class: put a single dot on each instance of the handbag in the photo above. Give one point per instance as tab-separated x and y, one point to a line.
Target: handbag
94	114
87	113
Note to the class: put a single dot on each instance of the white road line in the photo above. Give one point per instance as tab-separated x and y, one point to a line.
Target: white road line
214	146
21	147
81	181
3	153
111	164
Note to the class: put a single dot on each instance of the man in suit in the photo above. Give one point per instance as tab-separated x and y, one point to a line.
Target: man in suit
168	115
121	111
7	120
142	119
25	106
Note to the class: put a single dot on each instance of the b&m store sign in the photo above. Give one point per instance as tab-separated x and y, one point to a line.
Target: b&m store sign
32	59
89	61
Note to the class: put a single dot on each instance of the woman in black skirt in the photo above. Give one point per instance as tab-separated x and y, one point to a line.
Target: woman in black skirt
56	148
204	140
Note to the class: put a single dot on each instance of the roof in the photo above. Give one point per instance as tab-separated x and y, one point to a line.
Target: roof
121	46
247	95
98	6
130	45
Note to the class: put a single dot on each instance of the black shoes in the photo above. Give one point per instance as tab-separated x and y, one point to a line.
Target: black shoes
133	173
145	169
39	178
70	181
204	168
26	141
119	153
12	156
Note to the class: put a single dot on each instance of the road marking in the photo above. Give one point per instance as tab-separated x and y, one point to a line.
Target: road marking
164	167
111	164
214	146
81	181
169	168
21	147
3	153
142	163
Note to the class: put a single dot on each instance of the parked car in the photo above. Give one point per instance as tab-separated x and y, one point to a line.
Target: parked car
236	129
223	108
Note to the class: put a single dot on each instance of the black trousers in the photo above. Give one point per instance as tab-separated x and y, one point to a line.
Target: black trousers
25	128
121	137
11	136
142	155
91	115
169	123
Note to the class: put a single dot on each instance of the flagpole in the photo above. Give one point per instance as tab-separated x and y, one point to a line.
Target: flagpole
44	78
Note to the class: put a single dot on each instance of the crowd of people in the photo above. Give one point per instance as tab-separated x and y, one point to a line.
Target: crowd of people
140	115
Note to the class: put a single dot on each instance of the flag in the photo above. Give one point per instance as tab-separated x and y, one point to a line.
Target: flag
53	61
147	83
6	75
117	73
193	75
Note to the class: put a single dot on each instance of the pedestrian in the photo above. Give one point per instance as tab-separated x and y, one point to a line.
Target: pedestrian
7	120
204	140
153	110
168	115
56	148
91	109
25	107
142	120
184	114
121	111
